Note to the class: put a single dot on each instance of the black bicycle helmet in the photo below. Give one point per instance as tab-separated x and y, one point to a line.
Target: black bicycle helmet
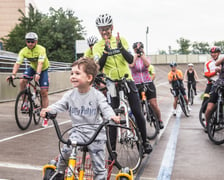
215	49
136	44
173	64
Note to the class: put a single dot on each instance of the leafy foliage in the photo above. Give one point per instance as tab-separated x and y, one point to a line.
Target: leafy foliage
57	32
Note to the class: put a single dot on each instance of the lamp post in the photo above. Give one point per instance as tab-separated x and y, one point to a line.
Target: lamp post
146	43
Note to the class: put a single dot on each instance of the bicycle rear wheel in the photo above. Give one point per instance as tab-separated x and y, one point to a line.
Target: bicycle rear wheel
129	150
215	126
202	114
183	106
37	106
23	110
152	122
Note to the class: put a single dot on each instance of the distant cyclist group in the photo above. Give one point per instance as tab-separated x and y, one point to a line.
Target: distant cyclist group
112	57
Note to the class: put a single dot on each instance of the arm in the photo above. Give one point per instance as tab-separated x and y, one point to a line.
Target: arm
127	56
196	75
185	76
219	61
134	61
145	60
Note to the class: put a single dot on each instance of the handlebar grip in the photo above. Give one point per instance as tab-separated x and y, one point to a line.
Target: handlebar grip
123	121
11	81
51	115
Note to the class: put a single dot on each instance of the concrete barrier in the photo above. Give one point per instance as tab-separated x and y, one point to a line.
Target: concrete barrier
59	81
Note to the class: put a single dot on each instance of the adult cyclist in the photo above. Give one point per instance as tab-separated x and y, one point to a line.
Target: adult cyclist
211	71
218	70
175	76
39	64
113	57
140	73
91	41
191	77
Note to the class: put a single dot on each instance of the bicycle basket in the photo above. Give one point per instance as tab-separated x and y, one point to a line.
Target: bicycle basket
88	168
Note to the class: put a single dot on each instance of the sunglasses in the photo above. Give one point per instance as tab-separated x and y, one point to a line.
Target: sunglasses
30	41
104	29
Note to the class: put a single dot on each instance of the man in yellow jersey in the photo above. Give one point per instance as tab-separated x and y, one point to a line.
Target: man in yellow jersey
91	41
39	64
113	56
175	76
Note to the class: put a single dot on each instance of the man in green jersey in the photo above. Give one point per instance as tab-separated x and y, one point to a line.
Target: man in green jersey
39	64
113	56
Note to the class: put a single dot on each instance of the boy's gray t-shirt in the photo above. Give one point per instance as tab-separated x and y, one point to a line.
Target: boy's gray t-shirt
85	108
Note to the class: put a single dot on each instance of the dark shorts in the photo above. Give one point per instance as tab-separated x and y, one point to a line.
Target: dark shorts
151	90
208	88
44	79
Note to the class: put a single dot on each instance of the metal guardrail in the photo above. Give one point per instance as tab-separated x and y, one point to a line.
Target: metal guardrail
6	65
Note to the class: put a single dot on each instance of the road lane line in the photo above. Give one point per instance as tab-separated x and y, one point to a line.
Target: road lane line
20	166
168	158
30	132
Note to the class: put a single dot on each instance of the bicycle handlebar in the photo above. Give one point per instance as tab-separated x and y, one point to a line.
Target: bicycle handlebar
11	80
53	116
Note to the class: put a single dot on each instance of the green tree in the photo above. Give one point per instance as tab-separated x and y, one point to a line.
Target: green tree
57	31
184	46
200	48
220	44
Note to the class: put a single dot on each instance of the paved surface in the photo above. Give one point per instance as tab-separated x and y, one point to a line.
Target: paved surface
181	152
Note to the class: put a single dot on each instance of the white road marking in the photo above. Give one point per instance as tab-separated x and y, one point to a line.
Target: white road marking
30	132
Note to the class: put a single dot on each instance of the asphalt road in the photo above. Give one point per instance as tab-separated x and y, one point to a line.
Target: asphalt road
182	151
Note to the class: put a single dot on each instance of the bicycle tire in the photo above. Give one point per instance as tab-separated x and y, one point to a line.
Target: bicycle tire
129	149
37	106
152	122
191	96
202	113
183	105
216	129
23	118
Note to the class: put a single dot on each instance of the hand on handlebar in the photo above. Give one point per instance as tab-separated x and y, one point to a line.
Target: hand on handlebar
116	119
44	112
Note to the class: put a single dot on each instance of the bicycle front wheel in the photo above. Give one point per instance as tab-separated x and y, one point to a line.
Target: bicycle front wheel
215	126
129	150
37	106
23	110
202	113
183	106
191	96
152	122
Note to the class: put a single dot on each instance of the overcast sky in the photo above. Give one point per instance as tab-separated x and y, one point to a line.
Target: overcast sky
168	20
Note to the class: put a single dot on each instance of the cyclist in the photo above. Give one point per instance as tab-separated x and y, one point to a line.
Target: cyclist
191	76
39	64
173	76
85	105
140	73
218	69
91	41
152	72
113	53
211	71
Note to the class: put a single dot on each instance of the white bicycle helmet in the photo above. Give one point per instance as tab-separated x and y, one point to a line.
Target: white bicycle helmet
31	35
190	64
92	40
104	20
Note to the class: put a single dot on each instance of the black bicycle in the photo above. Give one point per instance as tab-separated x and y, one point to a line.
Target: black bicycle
28	103
152	120
181	100
191	93
215	122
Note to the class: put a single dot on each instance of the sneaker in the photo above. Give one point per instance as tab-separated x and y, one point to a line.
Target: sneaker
174	112
45	123
147	148
189	108
161	125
